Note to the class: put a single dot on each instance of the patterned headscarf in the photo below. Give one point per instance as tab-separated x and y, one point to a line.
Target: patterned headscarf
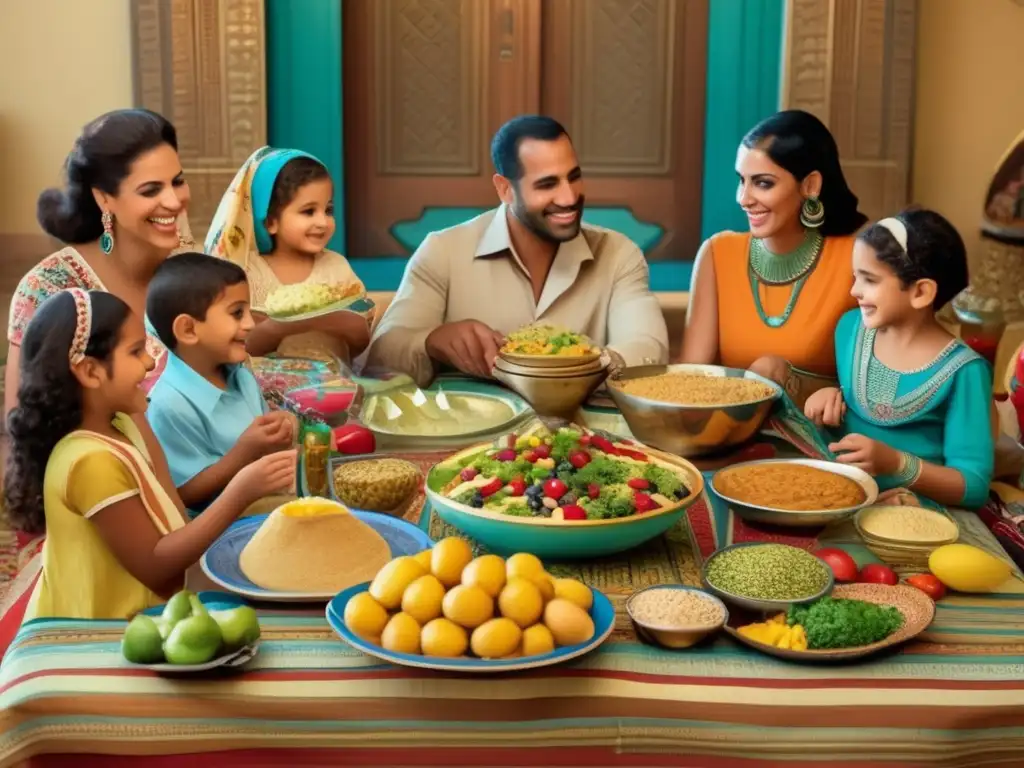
239	225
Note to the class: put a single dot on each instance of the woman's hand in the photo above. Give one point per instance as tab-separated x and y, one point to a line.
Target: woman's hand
874	457
826	407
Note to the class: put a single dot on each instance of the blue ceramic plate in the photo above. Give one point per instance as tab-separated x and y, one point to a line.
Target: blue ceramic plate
601	612
213	601
220	562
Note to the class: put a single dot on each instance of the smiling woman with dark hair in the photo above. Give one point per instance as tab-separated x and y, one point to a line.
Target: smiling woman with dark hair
769	299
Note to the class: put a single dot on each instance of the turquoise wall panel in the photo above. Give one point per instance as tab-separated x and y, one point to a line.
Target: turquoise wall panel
304	83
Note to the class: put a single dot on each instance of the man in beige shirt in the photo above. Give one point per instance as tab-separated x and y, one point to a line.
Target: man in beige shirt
530	260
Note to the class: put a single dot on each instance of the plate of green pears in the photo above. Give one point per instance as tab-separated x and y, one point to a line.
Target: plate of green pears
193	633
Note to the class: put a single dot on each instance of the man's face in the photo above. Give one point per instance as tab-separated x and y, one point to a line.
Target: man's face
548	199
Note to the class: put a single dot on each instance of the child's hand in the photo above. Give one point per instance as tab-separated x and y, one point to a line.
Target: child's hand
873	457
267	433
826	407
290	420
271	475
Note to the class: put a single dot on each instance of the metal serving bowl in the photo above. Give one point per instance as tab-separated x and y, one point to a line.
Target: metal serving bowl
753	603
800	518
551	372
691	430
677	637
553	396
549	361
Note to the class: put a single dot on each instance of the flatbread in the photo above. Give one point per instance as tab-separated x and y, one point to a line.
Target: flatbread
313	545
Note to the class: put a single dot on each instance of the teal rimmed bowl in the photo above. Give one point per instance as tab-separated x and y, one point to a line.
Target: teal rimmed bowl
558	539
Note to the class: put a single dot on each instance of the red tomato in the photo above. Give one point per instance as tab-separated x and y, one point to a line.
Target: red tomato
928	584
843	566
468	474
643	502
353	439
554	488
638	484
517	486
529	456
491	488
542	451
509	454
593	490
574	512
875	573
579	459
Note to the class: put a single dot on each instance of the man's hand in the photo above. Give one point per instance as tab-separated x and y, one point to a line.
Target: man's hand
468	345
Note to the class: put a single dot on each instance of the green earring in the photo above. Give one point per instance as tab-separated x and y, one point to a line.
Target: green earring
812	213
107	238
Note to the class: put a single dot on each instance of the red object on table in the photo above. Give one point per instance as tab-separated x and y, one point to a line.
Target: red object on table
353	439
1017	394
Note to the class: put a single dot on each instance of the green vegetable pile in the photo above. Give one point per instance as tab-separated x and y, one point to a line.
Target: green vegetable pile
768	572
187	633
840	623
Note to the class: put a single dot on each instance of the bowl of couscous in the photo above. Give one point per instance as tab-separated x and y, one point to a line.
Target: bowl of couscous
690	410
905	535
548	346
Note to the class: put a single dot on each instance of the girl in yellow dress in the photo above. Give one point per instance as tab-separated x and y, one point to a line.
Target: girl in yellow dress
78	468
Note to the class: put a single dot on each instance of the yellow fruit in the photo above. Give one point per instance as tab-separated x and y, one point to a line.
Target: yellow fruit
569	624
422	599
520	601
496	638
423	558
967	569
365	616
537	640
546	584
449	557
575	592
523	564
486	572
389	584
468	606
444	638
402	634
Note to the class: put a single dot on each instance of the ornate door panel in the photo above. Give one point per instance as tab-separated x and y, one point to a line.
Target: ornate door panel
626	78
427	83
200	63
851	63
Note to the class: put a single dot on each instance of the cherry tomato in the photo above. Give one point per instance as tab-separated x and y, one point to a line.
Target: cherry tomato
602	443
491	488
468	474
844	568
554	488
542	451
517	486
876	573
508	454
530	456
643	502
579	459
593	490
584	439
353	439
574	512
638	484
928	584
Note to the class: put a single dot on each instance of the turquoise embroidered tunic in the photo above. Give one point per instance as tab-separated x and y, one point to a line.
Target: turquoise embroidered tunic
939	413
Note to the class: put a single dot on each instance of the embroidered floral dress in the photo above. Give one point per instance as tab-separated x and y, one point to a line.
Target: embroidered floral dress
939	413
61	270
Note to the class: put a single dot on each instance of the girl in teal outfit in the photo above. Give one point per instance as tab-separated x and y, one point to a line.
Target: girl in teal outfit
914	405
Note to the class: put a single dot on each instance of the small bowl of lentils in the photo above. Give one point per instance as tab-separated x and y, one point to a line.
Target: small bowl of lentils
675	616
766	577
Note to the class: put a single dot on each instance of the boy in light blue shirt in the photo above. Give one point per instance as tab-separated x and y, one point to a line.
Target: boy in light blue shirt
206	409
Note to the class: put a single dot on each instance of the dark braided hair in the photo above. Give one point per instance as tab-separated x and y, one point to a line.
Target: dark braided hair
935	251
50	397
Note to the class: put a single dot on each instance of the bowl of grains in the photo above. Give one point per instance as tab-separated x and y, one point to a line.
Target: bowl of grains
798	493
675	616
374	483
905	535
766	577
690	410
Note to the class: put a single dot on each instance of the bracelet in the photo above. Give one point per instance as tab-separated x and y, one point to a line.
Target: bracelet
909	471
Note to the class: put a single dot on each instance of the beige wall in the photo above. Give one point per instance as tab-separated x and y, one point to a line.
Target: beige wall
62	63
970	103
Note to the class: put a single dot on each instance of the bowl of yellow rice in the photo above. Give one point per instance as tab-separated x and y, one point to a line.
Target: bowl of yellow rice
548	346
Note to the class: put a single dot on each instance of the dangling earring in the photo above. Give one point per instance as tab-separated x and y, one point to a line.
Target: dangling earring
812	213
107	238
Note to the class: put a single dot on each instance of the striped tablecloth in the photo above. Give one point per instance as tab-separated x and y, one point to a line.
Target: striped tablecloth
953	698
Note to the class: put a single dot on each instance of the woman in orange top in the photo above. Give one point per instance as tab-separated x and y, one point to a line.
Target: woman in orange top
769	300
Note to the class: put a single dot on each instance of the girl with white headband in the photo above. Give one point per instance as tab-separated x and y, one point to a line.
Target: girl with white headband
914	405
78	468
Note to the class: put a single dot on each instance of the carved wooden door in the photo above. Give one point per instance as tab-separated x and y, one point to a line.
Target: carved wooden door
428	82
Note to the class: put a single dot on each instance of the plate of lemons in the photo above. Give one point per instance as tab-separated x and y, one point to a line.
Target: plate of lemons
444	609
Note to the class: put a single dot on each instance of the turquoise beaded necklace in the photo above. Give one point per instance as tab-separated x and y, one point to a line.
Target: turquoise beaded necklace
782	269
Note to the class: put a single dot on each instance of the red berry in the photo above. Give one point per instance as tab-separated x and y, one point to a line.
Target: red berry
643	502
579	459
593	490
517	486
585	440
574	512
554	488
602	443
491	488
530	456
508	454
468	474
542	451
638	484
